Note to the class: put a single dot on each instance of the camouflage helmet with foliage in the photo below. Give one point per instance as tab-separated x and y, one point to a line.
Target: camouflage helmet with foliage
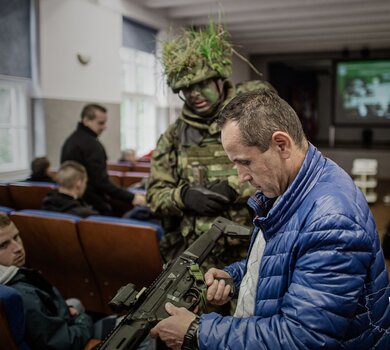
197	55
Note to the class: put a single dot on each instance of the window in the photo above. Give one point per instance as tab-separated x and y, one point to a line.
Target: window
13	125
139	103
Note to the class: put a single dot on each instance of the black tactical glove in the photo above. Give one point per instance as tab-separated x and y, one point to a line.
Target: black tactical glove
223	188
203	201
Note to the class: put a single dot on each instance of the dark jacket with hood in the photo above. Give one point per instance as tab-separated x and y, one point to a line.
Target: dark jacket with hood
63	203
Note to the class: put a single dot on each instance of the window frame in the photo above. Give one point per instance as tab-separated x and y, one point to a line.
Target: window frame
20	126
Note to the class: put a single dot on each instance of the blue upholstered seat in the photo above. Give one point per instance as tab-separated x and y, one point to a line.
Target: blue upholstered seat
6	210
12	310
50	214
159	229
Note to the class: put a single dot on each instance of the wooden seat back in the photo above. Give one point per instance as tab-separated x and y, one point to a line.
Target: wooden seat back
131	177
141	167
52	246
118	166
12	324
5	198
115	177
120	253
29	195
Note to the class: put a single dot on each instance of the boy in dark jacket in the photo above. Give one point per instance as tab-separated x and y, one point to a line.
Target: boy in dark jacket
84	147
72	180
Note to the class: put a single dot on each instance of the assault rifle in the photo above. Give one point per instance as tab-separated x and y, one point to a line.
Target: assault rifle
180	283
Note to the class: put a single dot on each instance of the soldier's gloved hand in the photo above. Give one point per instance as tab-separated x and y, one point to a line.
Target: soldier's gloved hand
203	201
223	188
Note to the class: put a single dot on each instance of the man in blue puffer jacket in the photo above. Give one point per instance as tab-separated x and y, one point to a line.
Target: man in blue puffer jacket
315	275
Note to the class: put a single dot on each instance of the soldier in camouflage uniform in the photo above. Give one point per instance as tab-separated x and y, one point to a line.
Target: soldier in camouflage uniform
189	155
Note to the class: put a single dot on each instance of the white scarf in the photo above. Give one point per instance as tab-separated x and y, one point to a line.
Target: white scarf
7	273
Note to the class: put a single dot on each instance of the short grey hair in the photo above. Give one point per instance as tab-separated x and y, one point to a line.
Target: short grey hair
259	114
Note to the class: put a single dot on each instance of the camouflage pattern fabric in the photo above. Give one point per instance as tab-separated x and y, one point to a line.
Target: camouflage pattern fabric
252	85
190	152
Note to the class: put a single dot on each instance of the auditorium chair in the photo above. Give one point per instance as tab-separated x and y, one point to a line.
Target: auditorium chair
5	198
29	195
115	177
6	210
12	322
141	167
118	166
52	246
120	252
131	177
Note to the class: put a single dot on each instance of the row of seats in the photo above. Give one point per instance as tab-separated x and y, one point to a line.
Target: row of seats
29	195
24	195
126	179
89	258
143	167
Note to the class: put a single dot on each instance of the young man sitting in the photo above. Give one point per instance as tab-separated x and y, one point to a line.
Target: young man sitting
72	181
50	322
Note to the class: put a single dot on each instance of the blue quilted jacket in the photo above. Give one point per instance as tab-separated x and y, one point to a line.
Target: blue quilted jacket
322	282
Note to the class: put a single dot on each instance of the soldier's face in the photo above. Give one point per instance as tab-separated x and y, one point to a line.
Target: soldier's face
203	97
11	247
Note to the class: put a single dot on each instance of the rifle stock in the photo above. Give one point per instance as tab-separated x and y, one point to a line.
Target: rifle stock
176	284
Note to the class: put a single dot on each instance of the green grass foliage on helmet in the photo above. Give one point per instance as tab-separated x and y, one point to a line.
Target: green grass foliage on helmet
197	55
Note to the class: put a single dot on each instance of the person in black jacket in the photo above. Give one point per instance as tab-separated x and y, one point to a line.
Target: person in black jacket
72	182
84	147
40	170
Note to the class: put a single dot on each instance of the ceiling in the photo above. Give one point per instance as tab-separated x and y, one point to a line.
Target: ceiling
288	26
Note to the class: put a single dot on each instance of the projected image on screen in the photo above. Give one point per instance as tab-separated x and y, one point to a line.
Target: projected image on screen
363	92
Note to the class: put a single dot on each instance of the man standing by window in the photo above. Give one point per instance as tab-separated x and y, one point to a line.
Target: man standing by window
84	147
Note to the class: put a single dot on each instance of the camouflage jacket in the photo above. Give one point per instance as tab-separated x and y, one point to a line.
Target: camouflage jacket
190	152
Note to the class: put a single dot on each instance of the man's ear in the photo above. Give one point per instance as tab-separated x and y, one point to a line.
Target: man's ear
78	183
283	143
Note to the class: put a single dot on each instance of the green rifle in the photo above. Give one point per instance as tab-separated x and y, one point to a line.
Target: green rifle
181	283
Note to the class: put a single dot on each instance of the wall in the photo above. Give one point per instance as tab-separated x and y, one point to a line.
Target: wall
240	70
321	65
345	157
75	26
94	29
61	118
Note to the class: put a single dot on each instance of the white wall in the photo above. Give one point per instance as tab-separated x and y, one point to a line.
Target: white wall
240	70
76	26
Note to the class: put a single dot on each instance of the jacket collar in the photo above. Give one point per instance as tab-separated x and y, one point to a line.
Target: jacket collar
271	218
82	127
7	273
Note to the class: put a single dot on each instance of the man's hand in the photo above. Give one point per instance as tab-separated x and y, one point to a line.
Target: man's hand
218	291
173	329
139	199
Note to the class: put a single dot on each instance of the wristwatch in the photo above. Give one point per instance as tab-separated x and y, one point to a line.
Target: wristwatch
190	341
